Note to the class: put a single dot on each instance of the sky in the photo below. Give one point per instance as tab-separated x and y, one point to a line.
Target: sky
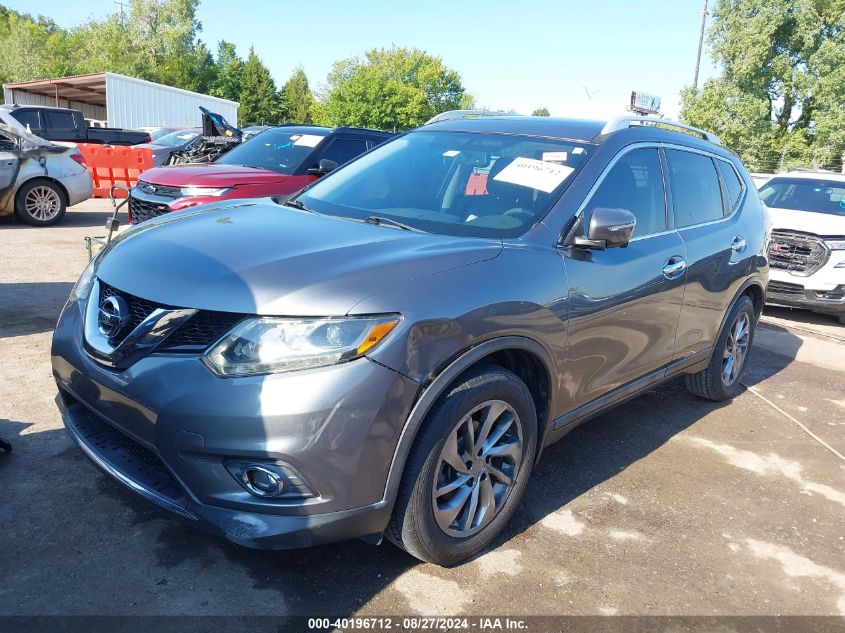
577	58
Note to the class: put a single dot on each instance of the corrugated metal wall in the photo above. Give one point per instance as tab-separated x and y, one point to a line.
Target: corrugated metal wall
25	98
133	103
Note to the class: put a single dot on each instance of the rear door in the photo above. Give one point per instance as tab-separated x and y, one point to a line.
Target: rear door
63	125
704	197
624	303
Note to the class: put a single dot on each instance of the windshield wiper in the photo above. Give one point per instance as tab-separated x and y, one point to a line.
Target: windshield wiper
382	221
298	204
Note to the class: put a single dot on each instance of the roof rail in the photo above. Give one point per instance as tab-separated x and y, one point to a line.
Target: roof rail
454	115
626	121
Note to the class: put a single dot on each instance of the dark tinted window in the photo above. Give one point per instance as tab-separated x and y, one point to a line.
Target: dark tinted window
732	182
805	194
635	183
281	149
58	121
696	195
27	117
342	150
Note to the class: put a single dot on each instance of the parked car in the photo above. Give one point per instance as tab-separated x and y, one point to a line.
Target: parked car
388	352
176	141
807	250
279	161
65	125
38	179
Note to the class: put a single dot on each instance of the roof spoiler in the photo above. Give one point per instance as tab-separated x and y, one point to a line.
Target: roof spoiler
624	122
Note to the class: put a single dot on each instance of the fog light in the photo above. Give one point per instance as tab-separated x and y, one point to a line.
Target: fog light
262	481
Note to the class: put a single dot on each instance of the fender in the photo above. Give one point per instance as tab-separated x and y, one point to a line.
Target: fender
753	280
436	388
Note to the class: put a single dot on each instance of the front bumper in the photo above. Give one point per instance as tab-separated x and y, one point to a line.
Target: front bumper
166	428
811	293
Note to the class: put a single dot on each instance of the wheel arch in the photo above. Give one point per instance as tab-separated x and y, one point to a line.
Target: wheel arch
522	355
41	177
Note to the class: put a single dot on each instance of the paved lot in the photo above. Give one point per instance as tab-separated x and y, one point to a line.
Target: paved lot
670	505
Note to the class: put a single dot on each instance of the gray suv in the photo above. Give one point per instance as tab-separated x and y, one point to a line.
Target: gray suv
388	352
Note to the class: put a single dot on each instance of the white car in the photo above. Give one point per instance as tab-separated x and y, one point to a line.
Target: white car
39	179
807	249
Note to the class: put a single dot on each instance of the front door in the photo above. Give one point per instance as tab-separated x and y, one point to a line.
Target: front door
624	303
8	162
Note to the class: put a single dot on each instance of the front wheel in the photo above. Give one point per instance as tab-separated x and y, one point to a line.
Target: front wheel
721	380
40	203
468	468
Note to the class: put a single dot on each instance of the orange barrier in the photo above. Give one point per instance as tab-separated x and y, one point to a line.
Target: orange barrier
111	164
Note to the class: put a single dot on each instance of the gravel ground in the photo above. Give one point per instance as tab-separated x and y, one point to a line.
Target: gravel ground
669	505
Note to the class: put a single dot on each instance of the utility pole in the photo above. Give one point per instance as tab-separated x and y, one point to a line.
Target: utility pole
700	44
120	6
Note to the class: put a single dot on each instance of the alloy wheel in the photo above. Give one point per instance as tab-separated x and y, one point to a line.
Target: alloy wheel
42	203
477	468
736	349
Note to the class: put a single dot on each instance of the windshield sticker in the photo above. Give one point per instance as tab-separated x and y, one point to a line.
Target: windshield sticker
555	157
535	174
578	150
307	140
451	152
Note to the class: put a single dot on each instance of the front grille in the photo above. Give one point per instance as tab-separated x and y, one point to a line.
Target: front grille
785	288
200	331
139	308
799	253
143	210
159	190
196	334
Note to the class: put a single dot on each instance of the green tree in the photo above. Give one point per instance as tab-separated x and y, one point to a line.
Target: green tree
296	99
397	88
31	48
259	102
778	101
541	112
230	69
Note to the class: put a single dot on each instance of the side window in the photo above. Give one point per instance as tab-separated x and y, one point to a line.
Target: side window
342	150
635	183
59	122
733	184
27	117
696	195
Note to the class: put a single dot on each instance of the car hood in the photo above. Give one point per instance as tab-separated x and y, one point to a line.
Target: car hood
214	175
823	224
258	257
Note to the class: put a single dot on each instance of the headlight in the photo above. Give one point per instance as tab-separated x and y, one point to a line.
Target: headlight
835	245
83	286
204	191
269	345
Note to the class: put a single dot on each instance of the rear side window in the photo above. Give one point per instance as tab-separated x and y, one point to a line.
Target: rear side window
342	150
733	185
696	195
27	118
635	183
57	121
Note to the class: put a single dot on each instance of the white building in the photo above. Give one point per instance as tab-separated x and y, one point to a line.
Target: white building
122	101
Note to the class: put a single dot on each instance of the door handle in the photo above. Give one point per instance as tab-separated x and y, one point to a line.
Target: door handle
738	245
674	267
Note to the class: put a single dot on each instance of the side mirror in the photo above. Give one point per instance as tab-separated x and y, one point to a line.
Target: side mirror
608	228
323	167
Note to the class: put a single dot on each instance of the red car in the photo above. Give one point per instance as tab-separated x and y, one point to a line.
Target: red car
279	161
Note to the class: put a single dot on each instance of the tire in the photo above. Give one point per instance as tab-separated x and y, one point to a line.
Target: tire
715	382
419	521
841	318
40	203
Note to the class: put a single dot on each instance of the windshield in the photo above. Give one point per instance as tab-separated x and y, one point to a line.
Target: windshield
805	194
177	138
278	149
455	183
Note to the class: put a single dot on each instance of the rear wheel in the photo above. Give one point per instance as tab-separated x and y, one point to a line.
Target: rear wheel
40	203
721	380
842	319
467	469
